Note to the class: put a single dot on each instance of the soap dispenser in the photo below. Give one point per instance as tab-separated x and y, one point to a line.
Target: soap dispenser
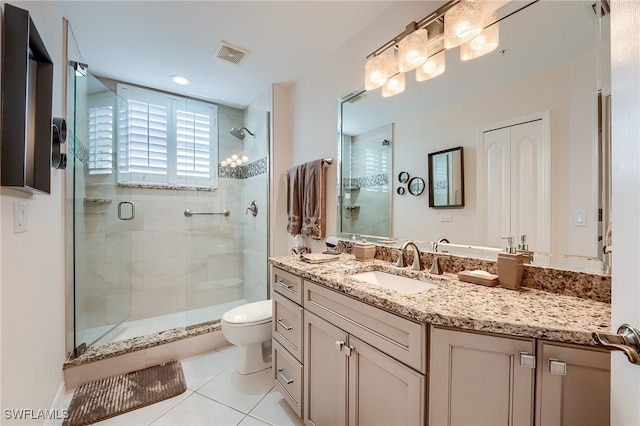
510	266
523	249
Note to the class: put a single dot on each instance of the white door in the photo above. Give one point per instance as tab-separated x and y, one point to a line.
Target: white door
625	73
514	170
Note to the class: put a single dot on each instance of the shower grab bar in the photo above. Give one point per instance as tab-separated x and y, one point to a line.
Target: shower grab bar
189	213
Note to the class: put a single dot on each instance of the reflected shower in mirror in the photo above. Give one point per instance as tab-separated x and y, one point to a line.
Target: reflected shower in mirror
366	181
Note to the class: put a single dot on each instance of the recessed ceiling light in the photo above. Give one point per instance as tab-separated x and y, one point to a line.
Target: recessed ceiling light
178	79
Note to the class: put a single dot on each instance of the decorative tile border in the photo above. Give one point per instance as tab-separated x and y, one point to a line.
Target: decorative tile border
245	171
366	181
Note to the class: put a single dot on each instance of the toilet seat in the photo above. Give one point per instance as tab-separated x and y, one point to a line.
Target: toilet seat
249	314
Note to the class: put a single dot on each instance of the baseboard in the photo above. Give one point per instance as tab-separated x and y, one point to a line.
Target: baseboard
58	412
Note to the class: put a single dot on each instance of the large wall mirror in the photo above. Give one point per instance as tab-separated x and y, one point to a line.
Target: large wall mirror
553	59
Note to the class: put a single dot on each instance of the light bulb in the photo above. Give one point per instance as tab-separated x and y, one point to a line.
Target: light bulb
223	163
229	160
462	22
487	41
378	69
245	158
412	50
233	164
394	86
435	64
238	161
234	157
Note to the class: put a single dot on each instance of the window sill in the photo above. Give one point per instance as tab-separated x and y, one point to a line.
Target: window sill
167	187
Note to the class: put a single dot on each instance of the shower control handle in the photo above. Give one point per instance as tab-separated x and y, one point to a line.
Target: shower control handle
253	208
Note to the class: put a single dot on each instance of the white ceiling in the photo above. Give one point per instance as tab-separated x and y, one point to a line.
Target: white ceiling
145	42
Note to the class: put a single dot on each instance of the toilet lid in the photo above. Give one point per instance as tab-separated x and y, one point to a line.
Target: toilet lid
251	312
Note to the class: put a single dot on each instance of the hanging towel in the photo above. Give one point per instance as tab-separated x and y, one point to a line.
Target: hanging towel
295	188
313	202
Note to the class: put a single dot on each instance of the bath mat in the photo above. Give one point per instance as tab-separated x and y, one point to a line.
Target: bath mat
116	395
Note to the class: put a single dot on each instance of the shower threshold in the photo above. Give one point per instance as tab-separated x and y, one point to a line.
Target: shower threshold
147	333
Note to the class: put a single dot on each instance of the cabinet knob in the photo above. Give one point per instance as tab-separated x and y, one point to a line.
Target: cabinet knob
349	350
527	360
339	345
557	367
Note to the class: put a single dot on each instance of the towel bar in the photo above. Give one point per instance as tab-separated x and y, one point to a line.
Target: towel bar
189	213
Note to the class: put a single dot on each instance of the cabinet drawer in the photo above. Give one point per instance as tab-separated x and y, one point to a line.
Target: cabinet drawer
398	337
287	284
287	324
287	372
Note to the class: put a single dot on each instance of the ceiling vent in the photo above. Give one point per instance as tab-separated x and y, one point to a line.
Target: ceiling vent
230	53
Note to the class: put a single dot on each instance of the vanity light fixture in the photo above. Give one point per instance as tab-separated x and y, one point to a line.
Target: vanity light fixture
378	69
413	49
483	43
394	85
435	64
464	26
462	22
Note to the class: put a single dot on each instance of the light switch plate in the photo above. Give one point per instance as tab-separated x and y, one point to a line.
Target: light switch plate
19	217
581	218
445	217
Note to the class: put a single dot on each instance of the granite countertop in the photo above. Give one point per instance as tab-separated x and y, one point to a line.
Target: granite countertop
526	312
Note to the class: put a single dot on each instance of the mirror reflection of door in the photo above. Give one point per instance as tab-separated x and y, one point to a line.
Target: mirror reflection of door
514	172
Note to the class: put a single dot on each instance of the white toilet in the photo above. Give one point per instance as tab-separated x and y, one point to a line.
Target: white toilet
249	327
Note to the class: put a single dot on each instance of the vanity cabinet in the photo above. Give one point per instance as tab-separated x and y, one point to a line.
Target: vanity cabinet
477	378
573	385
287	329
480	379
347	381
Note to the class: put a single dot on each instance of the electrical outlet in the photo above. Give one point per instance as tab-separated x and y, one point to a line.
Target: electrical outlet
19	217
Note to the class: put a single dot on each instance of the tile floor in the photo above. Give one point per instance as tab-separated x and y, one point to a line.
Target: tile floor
216	395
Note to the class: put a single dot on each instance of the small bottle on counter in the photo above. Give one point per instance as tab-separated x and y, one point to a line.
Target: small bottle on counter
364	251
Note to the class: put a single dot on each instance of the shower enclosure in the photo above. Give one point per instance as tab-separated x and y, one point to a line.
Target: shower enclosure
148	258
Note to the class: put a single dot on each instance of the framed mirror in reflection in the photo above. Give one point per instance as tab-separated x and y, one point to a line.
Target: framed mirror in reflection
561	70
446	178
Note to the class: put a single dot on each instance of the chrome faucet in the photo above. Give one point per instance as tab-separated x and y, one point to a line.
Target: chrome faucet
437	243
416	265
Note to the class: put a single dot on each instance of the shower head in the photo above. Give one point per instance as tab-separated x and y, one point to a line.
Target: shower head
239	133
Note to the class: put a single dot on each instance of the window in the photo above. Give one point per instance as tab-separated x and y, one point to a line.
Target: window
100	135
166	140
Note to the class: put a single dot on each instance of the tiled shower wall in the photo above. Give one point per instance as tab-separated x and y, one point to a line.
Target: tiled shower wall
368	184
180	263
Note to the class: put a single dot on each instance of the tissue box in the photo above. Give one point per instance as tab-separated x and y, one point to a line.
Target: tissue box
364	251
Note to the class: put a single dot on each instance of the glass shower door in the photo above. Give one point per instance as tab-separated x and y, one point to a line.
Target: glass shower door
102	214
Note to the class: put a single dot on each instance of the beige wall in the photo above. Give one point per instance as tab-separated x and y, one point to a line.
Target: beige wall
31	269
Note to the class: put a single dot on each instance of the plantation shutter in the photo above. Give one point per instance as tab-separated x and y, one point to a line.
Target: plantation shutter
169	140
100	138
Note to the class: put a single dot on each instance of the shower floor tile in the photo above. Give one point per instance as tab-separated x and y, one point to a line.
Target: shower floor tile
216	395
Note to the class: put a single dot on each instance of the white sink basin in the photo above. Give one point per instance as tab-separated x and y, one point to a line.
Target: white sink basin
393	282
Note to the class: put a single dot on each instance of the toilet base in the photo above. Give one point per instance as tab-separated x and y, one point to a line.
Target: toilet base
253	358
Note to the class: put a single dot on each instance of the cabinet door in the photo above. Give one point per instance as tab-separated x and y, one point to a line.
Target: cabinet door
383	391
325	373
477	379
573	385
